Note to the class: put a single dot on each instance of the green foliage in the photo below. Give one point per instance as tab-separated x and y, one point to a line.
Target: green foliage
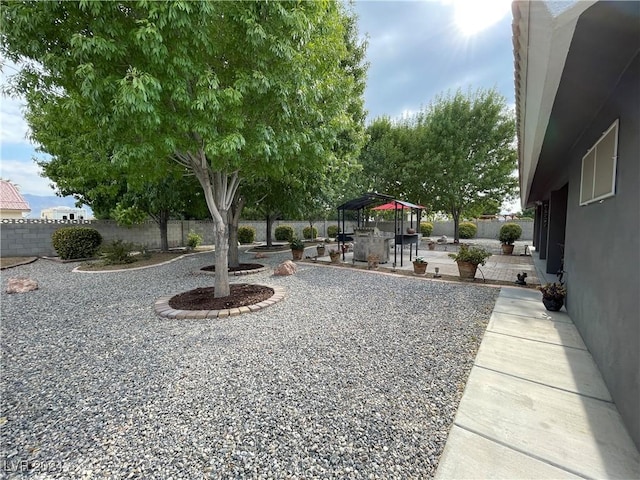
332	231
475	255
284	233
509	233
296	244
246	235
426	228
128	216
467	230
193	239
528	213
117	252
76	242
308	233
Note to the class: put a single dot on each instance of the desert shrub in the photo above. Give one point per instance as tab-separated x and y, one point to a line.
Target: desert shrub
509	233
426	228
467	230
332	231
307	233
117	252
193	239
76	242
246	234
284	233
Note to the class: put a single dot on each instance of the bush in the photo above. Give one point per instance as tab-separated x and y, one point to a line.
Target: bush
467	230
307	233
296	244
475	255
246	234
332	231
426	228
117	253
509	233
76	242
193	239
284	233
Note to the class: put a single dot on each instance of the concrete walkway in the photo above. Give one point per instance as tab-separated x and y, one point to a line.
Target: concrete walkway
535	405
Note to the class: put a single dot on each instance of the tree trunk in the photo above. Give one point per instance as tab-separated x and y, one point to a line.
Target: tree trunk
234	222
163	223
270	219
221	240
456	220
219	191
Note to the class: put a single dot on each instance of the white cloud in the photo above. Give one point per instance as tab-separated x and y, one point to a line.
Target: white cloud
27	176
13	127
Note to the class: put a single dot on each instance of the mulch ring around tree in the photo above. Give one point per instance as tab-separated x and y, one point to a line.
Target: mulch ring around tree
241	269
242	295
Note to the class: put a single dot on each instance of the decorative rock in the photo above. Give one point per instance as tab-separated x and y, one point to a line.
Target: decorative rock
260	255
443	239
286	268
21	285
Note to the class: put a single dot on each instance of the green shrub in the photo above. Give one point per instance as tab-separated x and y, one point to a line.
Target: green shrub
246	234
307	233
475	255
296	244
467	230
117	253
284	233
76	242
426	228
332	231
509	233
193	239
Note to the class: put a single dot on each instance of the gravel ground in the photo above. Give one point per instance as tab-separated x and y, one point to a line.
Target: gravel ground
354	375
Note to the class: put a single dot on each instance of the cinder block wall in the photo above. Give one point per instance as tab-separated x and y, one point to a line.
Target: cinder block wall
24	237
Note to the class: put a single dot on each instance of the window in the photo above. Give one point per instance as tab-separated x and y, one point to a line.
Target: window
599	168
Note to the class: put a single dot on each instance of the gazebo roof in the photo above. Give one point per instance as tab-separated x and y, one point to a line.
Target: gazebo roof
372	198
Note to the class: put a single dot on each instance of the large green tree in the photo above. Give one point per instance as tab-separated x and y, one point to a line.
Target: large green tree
462	154
224	88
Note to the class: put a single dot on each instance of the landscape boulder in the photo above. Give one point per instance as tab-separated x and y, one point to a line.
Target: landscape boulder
286	268
21	285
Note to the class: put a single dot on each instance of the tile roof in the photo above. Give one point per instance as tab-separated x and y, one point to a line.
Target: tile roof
10	197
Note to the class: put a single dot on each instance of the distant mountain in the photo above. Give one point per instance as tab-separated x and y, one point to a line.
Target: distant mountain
40	202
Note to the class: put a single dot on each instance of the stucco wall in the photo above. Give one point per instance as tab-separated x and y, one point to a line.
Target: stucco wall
32	237
602	255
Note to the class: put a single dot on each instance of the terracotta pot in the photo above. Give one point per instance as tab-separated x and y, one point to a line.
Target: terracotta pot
297	254
411	231
507	249
335	257
419	268
467	270
431	245
320	251
553	304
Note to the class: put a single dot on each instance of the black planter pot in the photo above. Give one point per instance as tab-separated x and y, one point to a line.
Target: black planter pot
553	304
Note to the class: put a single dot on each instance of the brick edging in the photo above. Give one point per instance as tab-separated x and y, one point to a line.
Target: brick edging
236	274
162	308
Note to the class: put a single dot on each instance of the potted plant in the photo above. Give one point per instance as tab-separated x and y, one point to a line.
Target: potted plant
419	266
321	249
335	256
553	296
431	245
509	233
468	259
297	248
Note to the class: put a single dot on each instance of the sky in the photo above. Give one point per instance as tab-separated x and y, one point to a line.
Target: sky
416	51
